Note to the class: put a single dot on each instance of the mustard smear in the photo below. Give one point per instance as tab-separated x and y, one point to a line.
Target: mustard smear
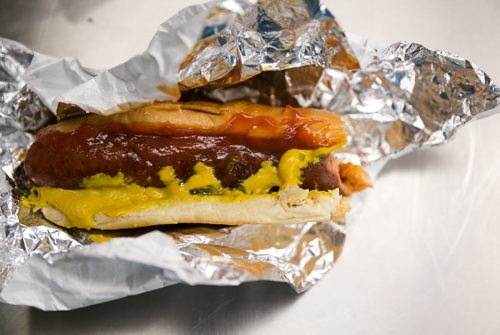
102	180
114	196
99	238
203	177
263	180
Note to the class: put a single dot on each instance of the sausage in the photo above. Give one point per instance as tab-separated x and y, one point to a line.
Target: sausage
64	159
323	176
59	159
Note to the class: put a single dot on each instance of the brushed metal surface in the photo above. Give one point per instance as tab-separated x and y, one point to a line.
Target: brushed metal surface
424	257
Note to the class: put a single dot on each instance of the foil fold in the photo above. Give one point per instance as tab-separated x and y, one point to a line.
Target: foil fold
404	97
418	97
270	36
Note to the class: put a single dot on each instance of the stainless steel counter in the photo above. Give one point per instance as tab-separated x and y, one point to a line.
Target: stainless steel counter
425	255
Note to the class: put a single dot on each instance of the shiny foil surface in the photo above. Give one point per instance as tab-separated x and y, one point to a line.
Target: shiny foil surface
404	97
21	113
270	36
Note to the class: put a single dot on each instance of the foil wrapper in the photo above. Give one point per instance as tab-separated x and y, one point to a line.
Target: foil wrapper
404	97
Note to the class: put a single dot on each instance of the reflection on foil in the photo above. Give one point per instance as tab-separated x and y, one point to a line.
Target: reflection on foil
270	36
276	52
408	97
296	253
21	112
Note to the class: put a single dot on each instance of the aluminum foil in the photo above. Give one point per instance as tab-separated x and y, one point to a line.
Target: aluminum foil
404	97
270	36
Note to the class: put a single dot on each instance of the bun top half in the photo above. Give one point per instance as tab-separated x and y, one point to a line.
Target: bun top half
311	128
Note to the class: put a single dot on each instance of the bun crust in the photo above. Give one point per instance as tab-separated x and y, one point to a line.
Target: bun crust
316	127
293	205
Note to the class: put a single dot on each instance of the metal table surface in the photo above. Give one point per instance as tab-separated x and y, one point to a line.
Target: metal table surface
424	257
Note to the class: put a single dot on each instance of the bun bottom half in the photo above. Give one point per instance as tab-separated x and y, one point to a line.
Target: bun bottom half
291	205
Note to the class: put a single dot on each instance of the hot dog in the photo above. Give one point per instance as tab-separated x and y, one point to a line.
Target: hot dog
193	162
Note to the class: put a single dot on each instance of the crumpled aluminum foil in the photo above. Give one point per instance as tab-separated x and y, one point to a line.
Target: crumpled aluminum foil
21	111
405	97
271	36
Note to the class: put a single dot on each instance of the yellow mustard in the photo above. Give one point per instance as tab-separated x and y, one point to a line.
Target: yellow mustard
263	180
